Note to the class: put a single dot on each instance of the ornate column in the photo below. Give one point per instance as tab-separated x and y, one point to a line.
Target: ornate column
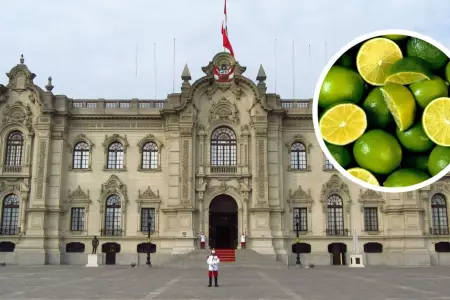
244	160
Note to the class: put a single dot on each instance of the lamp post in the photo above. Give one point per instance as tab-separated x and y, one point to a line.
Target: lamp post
297	229
149	226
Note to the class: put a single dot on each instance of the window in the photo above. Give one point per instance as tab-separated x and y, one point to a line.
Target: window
303	218
371	219
77	219
113	216
298	156
10	215
328	165
439	215
14	149
75	247
335	216
223	147
150	156
81	156
115	156
145	214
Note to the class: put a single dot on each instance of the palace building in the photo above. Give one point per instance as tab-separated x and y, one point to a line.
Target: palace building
222	156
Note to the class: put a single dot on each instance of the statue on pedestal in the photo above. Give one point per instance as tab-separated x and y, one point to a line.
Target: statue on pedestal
95	243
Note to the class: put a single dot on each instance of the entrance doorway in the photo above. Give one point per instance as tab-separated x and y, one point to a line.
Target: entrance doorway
110	250
338	253
223	223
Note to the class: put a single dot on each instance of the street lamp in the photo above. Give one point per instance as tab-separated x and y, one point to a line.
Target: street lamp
149	226
297	229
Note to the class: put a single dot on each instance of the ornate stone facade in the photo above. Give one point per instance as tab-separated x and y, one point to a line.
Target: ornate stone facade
82	161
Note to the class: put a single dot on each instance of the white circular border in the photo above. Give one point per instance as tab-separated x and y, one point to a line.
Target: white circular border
315	112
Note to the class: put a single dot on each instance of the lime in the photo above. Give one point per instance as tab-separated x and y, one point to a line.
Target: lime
378	152
419	48
416	162
396	37
438	160
343	124
364	175
447	72
428	90
341	84
346	61
377	111
415	139
408	70
401	103
405	177
340	154
375	57
436	121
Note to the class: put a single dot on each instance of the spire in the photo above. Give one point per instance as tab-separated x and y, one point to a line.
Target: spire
22	60
186	75
49	87
261	74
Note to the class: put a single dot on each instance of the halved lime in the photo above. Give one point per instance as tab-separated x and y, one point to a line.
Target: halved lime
436	121
408	70
374	59
364	175
343	124
401	103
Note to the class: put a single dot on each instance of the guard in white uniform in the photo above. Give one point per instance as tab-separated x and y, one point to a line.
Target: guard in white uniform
243	240
213	268
202	240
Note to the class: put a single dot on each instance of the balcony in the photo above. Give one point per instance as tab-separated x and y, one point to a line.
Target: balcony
19	171
439	231
9	230
337	232
112	232
223	169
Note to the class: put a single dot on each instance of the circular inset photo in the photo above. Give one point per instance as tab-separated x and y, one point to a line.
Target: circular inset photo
381	111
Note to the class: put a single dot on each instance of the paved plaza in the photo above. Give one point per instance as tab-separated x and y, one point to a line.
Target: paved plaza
72	282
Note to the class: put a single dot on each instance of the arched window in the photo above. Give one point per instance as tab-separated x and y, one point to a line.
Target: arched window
115	156
81	156
223	147
14	149
335	216
150	156
113	216
439	214
298	156
10	215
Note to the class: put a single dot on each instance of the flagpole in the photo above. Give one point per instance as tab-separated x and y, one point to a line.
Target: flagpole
173	83
154	65
275	62
293	70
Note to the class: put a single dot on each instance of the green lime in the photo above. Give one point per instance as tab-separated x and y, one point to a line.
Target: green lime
346	61
438	160
377	111
416	162
419	48
341	84
401	103
340	154
405	177
415	139
396	37
428	90
378	152
447	72
408	70
374	59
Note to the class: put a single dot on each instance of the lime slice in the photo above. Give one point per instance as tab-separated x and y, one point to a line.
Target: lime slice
374	59
343	124
436	121
364	175
408	70
401	103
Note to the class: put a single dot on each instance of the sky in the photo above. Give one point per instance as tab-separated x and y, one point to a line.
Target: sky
89	47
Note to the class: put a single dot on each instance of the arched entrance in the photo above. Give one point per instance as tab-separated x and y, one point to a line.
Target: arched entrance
223	222
338	253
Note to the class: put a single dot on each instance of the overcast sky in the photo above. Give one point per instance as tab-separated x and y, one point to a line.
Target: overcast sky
89	47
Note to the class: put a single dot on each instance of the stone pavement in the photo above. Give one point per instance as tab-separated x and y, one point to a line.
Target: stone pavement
114	282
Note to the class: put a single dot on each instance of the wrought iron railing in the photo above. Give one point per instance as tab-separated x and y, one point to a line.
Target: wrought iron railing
9	230
337	232
439	231
112	232
224	169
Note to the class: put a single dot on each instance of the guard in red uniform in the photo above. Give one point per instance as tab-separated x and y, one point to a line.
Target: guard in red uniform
213	268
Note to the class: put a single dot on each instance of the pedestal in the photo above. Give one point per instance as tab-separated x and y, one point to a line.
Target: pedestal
356	261
92	260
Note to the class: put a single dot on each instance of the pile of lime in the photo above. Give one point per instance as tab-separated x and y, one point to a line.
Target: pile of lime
384	111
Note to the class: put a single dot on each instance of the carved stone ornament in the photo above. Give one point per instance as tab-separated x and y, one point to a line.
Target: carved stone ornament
335	186
370	198
237	91
149	138
80	138
79	198
441	186
223	110
223	188
113	186
3	93
13	186
296	139
113	138
17	113
148	197
299	198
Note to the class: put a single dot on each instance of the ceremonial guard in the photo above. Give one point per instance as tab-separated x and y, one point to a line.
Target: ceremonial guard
213	268
202	240
243	240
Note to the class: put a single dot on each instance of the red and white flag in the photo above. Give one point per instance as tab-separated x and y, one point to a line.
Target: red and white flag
226	40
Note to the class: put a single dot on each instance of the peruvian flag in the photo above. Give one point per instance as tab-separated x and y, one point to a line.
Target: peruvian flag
226	40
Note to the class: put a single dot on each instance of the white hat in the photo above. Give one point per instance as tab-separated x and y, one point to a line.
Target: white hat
213	251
